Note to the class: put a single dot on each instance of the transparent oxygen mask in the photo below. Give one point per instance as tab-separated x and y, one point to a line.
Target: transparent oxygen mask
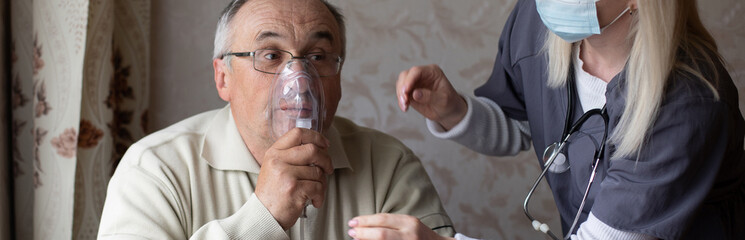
297	98
297	101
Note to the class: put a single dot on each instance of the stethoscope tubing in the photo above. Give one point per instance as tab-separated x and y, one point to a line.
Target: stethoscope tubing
543	227
567	133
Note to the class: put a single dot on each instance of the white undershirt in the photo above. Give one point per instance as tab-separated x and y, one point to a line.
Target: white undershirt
591	89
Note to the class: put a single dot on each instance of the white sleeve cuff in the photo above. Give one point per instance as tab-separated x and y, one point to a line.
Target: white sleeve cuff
593	228
458	130
459	236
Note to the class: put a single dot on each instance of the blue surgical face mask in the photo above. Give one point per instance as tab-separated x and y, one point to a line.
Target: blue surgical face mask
572	20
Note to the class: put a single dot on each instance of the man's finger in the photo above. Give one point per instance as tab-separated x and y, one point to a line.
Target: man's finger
314	191
300	136
308	155
307	173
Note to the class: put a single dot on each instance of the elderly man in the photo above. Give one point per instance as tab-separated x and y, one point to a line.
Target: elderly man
229	173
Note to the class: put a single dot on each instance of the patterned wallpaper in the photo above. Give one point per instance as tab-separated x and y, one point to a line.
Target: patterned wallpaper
482	194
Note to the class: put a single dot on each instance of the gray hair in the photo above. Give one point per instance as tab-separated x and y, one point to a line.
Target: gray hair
224	33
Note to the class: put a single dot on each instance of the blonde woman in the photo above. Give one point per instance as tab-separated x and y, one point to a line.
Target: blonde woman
627	103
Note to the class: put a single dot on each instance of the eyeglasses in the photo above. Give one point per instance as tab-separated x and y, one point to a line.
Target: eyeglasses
268	60
552	153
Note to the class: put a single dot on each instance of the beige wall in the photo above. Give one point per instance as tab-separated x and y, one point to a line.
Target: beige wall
182	82
482	194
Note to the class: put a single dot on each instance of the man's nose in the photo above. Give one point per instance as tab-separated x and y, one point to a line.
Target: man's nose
303	84
297	64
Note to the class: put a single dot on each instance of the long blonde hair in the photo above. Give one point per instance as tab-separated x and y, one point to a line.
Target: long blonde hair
662	31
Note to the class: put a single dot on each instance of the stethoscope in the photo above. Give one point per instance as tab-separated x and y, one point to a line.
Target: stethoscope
553	152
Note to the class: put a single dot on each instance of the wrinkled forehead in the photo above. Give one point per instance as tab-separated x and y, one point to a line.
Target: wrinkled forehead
298	22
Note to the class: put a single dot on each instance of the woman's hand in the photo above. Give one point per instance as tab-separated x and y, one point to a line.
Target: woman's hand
390	226
428	90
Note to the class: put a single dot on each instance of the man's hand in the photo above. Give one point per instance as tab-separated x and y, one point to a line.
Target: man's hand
293	171
390	226
428	90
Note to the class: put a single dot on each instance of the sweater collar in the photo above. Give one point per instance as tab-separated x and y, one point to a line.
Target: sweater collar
223	148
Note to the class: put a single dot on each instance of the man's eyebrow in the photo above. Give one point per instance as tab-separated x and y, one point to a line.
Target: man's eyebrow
323	35
265	35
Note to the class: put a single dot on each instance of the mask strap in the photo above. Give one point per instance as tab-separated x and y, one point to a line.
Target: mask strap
614	20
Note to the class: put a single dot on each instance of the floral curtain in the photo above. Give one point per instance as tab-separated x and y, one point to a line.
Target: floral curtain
78	93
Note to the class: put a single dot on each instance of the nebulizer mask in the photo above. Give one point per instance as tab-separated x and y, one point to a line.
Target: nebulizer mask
297	99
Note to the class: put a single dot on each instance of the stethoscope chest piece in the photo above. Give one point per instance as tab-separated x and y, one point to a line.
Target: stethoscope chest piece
559	163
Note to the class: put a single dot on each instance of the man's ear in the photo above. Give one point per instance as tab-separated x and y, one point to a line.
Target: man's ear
222	78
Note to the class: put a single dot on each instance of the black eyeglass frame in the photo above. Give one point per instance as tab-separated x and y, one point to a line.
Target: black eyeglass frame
339	60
